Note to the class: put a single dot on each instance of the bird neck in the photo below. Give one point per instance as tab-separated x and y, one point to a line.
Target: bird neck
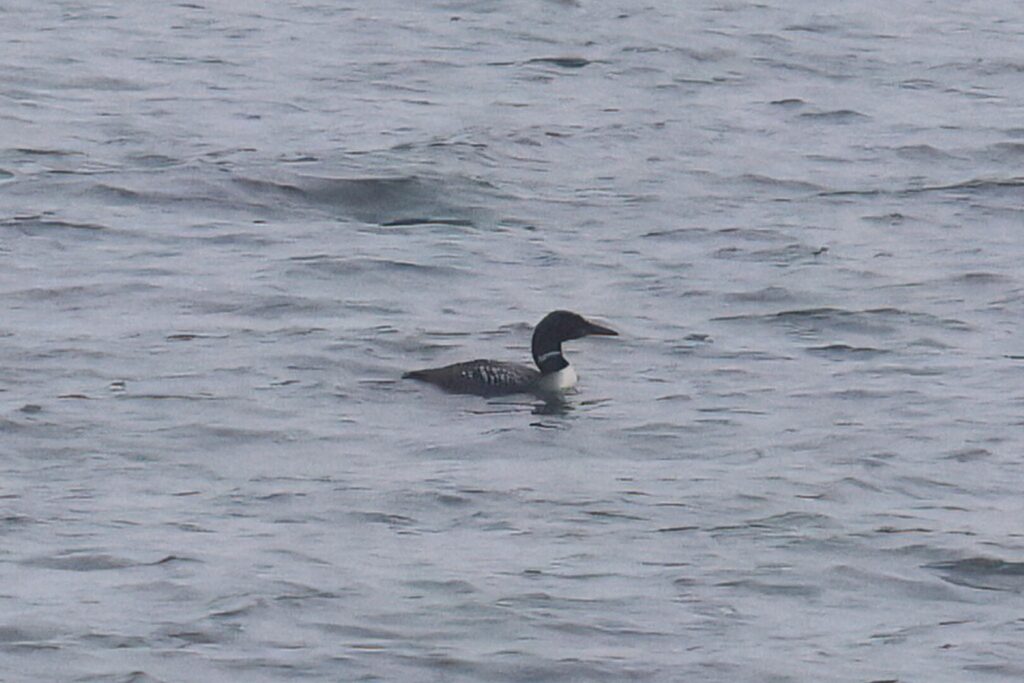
549	359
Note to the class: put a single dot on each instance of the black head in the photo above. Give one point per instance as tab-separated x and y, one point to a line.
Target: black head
560	326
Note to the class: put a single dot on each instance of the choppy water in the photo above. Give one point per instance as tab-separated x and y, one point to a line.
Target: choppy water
227	228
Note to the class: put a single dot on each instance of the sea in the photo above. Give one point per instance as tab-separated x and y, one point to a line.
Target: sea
227	228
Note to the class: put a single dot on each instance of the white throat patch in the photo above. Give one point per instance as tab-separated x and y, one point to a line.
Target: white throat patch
558	381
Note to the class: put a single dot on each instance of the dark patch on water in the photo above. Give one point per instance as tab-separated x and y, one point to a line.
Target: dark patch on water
564	62
840	116
845	351
985	573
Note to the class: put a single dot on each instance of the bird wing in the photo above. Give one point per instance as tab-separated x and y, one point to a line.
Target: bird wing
482	377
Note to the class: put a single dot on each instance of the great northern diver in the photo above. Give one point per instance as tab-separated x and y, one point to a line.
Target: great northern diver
495	378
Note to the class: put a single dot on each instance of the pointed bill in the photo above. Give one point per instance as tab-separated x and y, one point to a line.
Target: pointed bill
594	328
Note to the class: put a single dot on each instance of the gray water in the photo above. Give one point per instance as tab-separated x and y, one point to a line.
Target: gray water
226	229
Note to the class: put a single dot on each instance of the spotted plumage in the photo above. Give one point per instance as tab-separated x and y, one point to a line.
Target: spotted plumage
484	377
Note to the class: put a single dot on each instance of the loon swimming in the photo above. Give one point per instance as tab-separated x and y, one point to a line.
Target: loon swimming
495	378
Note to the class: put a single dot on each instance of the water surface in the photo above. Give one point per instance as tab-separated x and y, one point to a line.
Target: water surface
226	229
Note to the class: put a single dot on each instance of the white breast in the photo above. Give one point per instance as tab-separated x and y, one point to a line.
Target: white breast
558	381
